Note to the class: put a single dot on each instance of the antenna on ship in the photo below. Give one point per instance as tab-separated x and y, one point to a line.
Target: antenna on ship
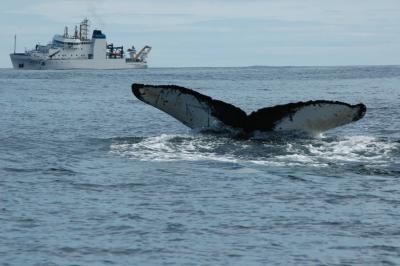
15	42
66	32
76	32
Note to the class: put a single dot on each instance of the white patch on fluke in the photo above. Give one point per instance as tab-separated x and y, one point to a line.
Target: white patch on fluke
188	109
317	118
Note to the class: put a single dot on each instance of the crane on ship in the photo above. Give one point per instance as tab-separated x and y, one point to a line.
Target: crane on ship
141	56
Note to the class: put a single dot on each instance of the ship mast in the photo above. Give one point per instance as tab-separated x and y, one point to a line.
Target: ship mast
84	29
76	32
66	32
15	42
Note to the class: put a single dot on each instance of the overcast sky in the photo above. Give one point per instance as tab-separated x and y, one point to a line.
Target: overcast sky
220	32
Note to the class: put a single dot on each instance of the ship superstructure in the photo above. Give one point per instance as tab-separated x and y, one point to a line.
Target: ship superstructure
78	51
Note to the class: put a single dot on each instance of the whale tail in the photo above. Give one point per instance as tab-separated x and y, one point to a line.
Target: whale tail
201	112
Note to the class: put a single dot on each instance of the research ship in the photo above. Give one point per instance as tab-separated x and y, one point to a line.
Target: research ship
77	51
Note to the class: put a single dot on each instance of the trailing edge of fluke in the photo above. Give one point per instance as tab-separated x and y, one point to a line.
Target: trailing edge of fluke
203	113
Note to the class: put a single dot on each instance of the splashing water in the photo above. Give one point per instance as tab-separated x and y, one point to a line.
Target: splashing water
320	152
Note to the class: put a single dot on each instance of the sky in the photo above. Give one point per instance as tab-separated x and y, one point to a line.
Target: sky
186	33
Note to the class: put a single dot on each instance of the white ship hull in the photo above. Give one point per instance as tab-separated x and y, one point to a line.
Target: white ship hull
23	61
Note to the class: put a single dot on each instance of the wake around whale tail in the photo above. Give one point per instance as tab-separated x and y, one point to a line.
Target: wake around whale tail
201	112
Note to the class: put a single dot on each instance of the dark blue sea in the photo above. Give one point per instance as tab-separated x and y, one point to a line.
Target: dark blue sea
89	175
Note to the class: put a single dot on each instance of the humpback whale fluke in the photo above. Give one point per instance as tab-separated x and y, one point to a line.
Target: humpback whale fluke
201	112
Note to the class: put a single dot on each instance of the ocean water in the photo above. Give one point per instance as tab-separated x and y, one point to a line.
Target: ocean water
89	175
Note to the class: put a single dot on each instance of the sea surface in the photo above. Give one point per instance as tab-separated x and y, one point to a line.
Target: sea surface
89	175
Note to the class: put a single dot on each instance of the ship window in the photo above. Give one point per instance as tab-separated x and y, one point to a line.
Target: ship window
21	65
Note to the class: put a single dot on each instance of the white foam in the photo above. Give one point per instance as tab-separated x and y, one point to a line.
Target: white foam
313	152
355	149
170	148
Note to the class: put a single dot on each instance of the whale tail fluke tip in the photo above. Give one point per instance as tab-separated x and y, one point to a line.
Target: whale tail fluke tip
361	111
135	89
